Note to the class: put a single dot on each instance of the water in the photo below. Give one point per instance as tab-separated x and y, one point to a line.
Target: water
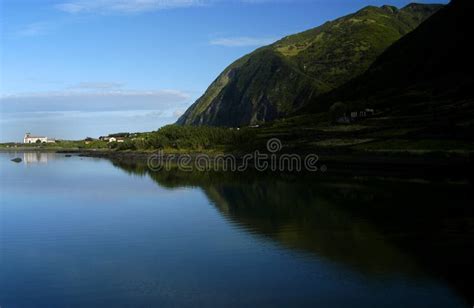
84	232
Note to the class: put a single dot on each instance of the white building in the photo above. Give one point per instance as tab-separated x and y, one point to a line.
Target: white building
117	139
36	139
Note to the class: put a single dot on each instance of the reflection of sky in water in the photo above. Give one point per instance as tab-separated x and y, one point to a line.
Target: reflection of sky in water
78	230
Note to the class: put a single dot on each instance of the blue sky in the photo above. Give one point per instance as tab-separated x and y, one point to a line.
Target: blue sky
76	68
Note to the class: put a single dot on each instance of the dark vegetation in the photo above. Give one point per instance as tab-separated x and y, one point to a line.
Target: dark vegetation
429	70
175	138
170	138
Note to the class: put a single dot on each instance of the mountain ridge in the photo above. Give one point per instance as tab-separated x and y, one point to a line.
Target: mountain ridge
432	63
275	80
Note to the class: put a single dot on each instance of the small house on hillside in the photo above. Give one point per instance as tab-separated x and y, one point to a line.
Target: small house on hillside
362	114
89	140
355	115
117	139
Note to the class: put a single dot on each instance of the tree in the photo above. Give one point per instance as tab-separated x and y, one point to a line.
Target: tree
337	111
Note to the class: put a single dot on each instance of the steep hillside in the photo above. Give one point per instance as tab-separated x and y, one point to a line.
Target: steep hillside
429	70
276	80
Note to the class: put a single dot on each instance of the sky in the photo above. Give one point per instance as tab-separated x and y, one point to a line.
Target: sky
70	69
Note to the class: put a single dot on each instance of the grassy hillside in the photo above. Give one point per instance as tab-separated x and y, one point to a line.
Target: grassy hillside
276	80
421	88
430	68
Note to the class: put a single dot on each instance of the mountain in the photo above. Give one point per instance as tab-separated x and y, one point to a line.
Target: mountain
278	79
429	70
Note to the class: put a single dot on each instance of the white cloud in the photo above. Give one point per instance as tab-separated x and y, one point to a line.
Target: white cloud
141	6
90	109
98	86
80	124
242	41
92	101
178	112
125	6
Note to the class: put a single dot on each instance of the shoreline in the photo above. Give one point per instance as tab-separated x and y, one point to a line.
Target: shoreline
440	165
349	164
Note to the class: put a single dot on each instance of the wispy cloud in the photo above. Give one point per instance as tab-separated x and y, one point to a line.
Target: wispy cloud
97	86
80	124
141	6
242	41
125	6
92	100
91	110
34	29
178	112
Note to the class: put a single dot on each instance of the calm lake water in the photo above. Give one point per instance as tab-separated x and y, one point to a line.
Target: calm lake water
87	232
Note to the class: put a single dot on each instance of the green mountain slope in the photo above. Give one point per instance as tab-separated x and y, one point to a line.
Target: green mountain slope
429	70
278	79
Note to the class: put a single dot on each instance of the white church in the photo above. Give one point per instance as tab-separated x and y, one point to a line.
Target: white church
37	139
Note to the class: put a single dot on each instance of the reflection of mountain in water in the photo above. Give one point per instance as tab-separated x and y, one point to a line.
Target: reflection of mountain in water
301	217
375	227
